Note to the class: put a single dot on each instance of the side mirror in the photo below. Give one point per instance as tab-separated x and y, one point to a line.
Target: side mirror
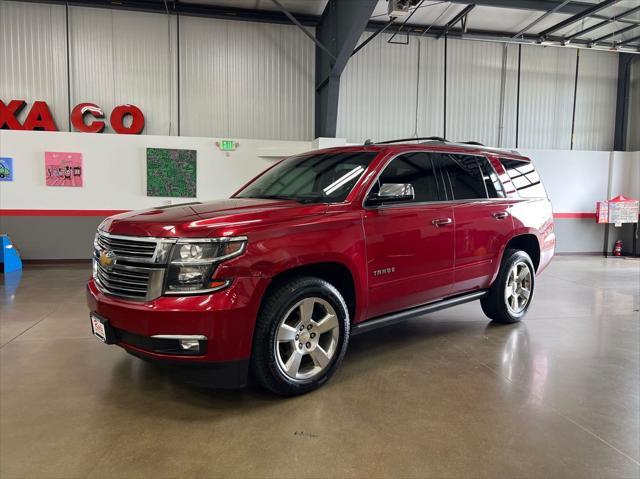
392	193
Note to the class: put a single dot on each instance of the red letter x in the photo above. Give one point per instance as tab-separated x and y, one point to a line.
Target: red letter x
9	115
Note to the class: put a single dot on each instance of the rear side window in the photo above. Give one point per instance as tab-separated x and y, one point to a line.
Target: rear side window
524	177
463	174
413	168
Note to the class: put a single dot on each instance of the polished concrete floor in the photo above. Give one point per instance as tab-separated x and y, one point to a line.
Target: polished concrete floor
447	395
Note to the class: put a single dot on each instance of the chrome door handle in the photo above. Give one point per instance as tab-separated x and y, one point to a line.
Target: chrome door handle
441	222
500	215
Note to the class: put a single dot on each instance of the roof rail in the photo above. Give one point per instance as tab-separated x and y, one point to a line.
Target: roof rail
472	143
402	140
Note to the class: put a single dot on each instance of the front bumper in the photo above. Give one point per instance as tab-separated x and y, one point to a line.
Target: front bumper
226	318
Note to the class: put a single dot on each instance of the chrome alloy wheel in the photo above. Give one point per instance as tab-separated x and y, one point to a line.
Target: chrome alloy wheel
517	291
307	339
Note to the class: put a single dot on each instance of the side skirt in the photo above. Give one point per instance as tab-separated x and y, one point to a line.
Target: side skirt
399	316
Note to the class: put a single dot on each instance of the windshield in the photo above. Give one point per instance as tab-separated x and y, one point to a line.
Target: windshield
320	178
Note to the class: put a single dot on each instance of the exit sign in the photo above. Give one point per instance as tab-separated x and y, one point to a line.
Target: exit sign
227	145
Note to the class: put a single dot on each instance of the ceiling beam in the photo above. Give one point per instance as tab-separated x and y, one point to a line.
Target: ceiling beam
630	41
602	23
613	34
577	17
459	17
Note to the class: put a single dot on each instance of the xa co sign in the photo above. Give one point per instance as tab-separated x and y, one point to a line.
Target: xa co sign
85	117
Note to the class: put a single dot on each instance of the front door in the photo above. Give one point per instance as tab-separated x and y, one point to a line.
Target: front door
409	244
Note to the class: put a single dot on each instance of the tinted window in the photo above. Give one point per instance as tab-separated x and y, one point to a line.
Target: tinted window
491	181
414	168
463	174
323	178
524	177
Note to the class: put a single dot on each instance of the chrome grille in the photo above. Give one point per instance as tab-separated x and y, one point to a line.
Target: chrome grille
130	282
133	249
134	272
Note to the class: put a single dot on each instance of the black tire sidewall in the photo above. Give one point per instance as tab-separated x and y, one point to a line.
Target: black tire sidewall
276	306
512	257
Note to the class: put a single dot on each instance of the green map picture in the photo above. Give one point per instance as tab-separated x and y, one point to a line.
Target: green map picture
171	173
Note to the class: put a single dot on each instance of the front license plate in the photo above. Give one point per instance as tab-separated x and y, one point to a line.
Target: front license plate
99	331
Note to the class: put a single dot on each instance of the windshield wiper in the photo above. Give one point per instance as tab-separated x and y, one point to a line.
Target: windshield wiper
280	197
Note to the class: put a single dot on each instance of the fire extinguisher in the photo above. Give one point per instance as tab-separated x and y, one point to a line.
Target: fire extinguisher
617	249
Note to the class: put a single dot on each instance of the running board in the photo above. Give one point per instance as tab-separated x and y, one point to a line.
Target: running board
394	318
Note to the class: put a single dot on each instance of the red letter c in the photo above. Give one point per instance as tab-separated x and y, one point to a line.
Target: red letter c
83	109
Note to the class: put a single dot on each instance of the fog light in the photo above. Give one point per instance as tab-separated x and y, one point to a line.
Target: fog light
189	344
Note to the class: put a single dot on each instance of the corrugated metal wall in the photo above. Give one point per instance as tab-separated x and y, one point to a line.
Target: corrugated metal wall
247	80
250	80
633	126
121	57
547	80
374	106
378	91
33	56
596	101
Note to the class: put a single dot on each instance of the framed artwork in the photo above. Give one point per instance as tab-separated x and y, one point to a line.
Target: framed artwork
171	173
63	168
6	169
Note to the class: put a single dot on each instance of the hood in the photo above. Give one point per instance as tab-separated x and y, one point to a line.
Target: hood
215	218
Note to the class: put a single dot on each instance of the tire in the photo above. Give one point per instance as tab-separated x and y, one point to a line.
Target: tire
289	360
504	303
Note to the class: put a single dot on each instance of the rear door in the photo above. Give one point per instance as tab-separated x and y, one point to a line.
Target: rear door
482	216
409	256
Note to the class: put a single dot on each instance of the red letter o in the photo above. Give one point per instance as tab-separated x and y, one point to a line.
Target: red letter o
117	119
83	109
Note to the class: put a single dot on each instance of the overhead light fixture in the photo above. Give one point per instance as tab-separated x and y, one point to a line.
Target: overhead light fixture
400	8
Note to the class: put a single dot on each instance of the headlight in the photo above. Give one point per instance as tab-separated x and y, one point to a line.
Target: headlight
193	263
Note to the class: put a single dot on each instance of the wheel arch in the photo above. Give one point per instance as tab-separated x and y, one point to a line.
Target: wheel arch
528	243
336	273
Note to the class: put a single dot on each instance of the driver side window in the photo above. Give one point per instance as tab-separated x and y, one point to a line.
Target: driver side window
415	169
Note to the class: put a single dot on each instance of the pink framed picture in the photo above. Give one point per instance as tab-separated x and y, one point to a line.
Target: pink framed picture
63	168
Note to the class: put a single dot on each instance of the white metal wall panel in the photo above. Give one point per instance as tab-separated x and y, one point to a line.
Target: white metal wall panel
246	80
431	91
633	125
378	91
474	75
122	57
596	100
546	97
33	57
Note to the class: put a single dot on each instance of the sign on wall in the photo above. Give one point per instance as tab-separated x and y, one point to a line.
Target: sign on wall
125	119
171	173
6	169
63	168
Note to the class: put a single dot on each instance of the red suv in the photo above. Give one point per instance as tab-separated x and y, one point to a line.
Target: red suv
321	246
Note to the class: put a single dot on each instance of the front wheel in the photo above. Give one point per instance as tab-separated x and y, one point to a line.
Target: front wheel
301	336
510	295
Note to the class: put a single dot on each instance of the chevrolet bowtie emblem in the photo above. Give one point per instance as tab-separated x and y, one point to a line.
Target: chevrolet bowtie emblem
107	258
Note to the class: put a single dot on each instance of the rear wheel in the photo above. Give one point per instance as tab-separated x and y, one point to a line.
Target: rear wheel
301	336
510	295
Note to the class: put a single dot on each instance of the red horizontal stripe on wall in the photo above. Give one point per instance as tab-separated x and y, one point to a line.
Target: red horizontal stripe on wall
575	216
105	213
7	212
